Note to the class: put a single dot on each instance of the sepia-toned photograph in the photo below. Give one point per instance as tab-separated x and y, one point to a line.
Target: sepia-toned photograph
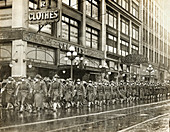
84	65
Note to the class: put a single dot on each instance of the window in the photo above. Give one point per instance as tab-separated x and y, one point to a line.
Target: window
72	3
124	26
69	29
135	32
111	19
5	51
111	45
41	54
135	49
124	48
135	10
125	4
92	8
92	38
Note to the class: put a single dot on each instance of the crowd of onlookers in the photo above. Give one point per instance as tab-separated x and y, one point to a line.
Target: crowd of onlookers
32	95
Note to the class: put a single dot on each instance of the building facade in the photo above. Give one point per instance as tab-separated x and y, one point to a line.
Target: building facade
102	32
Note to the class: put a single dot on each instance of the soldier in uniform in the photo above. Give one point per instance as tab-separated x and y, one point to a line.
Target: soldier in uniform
141	92
39	92
23	89
114	92
56	92
122	92
8	96
68	93
100	93
80	93
128	91
108	93
90	93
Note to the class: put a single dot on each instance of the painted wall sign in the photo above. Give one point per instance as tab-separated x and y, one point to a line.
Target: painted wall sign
134	59
43	16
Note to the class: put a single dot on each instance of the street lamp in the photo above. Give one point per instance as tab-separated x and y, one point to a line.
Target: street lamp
71	55
150	70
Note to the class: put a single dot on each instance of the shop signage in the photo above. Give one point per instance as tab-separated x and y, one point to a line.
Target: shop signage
65	46
134	59
43	16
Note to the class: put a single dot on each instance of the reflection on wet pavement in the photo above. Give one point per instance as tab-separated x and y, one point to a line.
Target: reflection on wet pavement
100	119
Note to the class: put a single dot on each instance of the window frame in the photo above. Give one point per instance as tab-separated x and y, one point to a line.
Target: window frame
69	28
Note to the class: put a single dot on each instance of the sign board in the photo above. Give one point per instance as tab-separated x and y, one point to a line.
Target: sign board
134	59
43	16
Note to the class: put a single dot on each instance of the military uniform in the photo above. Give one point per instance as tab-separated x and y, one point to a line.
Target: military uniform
108	93
39	91
90	93
8	91
23	89
80	93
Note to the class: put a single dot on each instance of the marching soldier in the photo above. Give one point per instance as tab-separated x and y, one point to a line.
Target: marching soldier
100	93
122	92
39	92
23	89
108	93
8	96
90	93
68	93
56	92
114	92
80	93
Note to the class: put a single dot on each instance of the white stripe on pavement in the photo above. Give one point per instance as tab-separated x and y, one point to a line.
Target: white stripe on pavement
134	126
79	116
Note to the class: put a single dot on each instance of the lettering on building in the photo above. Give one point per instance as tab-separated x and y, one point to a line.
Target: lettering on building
43	16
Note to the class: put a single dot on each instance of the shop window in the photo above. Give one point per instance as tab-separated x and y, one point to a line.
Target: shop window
72	3
41	54
92	38
92	8
69	29
5	51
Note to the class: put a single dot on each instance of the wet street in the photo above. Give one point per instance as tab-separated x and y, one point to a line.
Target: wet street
132	117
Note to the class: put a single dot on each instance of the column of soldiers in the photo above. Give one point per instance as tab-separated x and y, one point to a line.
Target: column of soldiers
37	94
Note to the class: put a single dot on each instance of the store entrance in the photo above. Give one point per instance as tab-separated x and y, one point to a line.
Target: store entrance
5	72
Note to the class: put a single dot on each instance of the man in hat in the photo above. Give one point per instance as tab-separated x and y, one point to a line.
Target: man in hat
23	89
68	93
8	90
56	92
80	93
39	91
100	93
90	93
108	93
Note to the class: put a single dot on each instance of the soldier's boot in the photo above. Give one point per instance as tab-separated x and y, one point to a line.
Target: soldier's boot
21	108
55	107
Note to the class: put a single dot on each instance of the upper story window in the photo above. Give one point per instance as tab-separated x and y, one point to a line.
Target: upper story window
135	32
111	45
124	48
124	26
135	10
92	8
69	29
125	4
72	3
135	49
92	38
111	19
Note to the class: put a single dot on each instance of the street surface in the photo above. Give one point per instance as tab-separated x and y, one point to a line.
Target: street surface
125	117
